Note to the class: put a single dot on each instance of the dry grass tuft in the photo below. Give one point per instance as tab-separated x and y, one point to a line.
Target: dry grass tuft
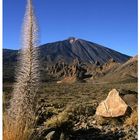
60	119
132	120
18	130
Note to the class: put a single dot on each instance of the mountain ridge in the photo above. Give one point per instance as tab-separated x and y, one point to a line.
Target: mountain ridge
73	48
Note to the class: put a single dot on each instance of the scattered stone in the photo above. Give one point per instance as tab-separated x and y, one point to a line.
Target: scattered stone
130	99
100	127
62	136
50	135
113	129
59	82
94	122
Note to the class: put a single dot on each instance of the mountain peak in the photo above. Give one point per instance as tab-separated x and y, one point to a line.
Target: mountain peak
72	39
73	48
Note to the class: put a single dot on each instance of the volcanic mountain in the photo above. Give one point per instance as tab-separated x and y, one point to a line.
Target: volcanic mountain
65	51
84	51
71	49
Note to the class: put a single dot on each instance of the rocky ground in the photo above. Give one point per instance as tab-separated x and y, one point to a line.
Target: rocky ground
68	112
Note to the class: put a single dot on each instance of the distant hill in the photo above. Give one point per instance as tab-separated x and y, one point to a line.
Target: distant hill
113	71
66	50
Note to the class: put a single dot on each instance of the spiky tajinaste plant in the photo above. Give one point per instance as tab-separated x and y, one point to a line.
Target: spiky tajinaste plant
20	115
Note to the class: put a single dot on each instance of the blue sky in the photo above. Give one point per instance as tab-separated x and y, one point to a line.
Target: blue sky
112	23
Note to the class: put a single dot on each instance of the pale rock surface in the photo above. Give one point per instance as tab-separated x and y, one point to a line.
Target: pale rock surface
112	106
50	135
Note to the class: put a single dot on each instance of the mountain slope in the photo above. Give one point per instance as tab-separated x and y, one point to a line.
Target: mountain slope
71	49
67	51
85	51
127	71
